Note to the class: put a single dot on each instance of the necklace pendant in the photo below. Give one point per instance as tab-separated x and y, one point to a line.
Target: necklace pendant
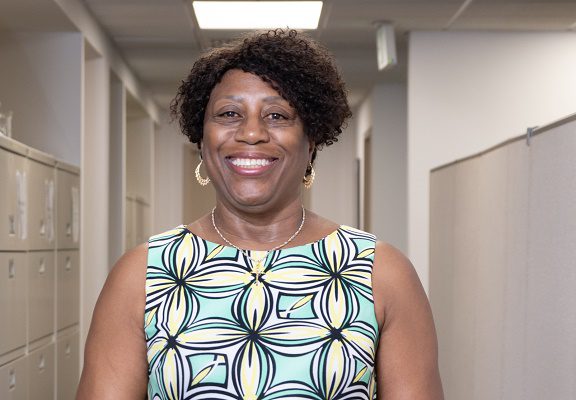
257	271
258	268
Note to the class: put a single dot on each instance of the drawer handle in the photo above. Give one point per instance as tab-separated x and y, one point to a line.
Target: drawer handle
42	227
42	267
68	229
11	269
68	349
11	225
12	380
68	264
42	363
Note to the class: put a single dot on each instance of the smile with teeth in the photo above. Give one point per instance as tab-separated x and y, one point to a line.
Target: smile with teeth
250	162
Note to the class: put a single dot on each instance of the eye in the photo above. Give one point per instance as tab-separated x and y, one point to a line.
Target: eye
277	116
228	114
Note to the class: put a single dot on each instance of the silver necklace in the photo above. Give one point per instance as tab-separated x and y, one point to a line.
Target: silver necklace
257	262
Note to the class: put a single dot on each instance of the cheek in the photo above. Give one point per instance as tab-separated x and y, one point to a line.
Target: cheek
212	139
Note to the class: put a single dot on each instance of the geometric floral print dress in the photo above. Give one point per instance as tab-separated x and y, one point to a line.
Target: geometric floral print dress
301	325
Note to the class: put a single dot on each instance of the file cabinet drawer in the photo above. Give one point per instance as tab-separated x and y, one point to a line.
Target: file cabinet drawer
41	205
13	279
41	299
13	198
67	366
67	288
68	210
41	373
14	380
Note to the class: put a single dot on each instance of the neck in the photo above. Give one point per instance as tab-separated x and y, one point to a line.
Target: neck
258	231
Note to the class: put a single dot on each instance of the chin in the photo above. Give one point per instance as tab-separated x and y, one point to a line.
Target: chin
256	201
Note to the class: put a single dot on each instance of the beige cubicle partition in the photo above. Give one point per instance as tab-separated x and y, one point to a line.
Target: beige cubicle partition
503	269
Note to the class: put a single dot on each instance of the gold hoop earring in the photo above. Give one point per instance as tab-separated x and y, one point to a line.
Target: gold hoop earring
308	180
201	181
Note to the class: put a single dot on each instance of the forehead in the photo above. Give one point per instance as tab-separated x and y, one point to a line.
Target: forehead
236	82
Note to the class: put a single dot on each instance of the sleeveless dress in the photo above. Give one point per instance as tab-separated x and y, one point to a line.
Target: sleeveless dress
301	325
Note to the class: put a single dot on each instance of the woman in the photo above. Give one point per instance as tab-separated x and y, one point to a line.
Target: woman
261	299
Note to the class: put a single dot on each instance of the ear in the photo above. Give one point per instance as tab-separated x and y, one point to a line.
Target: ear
311	148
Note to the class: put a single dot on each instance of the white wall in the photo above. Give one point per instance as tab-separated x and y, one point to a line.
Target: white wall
80	16
468	91
383	116
389	164
170	175
139	165
333	194
40	81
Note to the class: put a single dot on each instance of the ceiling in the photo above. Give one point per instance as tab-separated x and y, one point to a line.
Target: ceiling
160	40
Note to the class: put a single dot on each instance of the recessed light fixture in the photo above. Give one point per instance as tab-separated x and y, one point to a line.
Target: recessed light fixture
257	14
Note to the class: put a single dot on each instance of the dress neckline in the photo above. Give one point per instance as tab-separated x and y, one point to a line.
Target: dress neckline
189	232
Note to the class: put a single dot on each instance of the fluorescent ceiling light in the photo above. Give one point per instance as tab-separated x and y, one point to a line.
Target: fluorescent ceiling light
257	14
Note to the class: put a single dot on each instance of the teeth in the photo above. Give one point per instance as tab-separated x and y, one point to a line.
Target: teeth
250	162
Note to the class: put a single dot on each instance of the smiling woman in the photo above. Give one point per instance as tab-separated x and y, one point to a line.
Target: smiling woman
261	299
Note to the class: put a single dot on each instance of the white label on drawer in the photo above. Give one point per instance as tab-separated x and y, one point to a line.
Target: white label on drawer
11	225
41	363
75	214
49	187
21	199
11	269
12	380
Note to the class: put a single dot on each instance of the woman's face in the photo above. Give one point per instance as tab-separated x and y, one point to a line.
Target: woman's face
254	145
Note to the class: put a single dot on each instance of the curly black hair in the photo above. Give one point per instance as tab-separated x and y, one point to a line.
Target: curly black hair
297	67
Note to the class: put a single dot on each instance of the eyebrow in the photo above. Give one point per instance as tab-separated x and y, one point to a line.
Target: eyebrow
268	99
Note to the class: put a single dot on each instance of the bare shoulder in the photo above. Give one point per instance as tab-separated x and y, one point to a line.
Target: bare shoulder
407	359
115	365
129	272
123	295
394	278
125	288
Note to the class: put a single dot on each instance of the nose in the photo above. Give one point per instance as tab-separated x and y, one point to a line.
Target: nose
253	131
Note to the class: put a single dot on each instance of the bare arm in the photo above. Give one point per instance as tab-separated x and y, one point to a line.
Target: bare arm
407	359
115	365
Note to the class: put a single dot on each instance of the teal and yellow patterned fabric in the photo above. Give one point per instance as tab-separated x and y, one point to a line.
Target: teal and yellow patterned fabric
302	327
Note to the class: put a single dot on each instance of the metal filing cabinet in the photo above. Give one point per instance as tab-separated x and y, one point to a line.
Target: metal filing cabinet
13	225
67	288
68	206
41	373
41	299
41	200
13	279
39	274
67	365
14	380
